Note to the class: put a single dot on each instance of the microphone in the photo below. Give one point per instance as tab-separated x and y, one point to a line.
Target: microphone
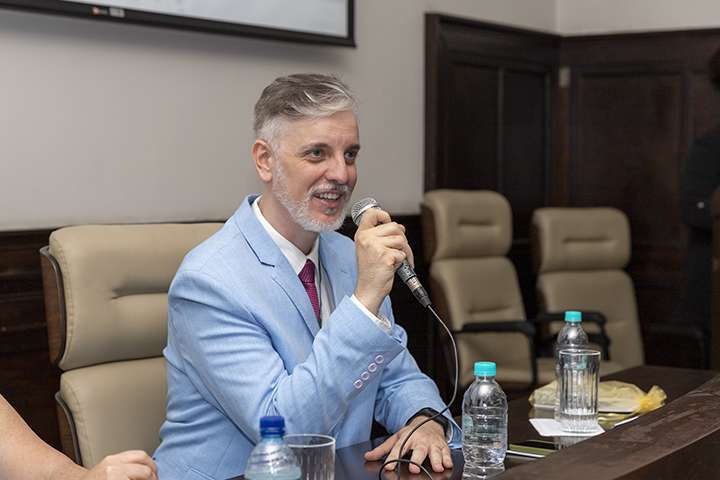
405	271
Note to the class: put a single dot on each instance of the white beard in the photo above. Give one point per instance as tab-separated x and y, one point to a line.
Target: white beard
300	210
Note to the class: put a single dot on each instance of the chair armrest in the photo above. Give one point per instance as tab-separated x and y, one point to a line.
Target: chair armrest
517	326
510	326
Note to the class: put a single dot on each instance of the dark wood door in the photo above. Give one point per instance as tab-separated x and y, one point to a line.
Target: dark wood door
604	120
489	101
637	103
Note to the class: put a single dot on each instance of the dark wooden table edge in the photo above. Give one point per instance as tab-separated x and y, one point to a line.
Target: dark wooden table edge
679	440
589	459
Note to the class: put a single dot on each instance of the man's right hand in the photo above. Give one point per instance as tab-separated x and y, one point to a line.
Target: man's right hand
380	250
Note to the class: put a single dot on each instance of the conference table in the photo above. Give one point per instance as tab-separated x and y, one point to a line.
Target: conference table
679	440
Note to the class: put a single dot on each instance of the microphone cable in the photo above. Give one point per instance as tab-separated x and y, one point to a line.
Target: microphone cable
408	276
400	460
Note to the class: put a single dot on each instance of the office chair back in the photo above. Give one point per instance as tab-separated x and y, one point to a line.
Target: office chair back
467	234
106	301
580	255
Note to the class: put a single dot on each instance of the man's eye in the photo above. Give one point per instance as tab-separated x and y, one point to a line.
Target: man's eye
351	155
315	153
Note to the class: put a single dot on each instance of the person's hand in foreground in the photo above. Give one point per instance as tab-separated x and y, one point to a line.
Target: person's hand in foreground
25	456
427	442
130	465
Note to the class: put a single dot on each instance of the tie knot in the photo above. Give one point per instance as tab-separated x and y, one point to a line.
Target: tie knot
307	274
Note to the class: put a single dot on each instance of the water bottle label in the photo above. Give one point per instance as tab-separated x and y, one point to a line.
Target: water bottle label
484	439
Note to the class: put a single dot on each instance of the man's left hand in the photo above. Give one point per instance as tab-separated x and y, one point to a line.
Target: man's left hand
428	441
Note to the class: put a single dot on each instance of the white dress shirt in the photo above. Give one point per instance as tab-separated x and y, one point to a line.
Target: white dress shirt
297	261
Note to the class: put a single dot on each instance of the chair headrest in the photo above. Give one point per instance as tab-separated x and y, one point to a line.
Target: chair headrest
116	279
470	223
587	238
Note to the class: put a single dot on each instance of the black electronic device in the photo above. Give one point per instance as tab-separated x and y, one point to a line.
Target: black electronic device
534	448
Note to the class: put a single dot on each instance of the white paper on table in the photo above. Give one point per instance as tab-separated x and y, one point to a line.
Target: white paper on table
549	427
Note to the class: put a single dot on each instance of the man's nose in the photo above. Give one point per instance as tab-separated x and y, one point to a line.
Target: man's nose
337	170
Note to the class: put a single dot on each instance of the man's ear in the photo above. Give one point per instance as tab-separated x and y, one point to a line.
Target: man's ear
263	156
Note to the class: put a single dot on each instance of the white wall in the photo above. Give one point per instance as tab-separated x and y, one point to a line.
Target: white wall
577	17
102	122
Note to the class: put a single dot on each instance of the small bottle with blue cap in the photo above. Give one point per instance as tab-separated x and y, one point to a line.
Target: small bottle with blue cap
272	458
484	425
571	337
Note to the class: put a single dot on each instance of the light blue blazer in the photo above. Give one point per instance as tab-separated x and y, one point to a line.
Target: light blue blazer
243	343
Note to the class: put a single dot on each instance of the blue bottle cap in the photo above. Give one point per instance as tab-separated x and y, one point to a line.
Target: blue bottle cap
484	369
572	316
274	425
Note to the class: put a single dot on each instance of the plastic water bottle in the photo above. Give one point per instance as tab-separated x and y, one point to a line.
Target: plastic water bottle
571	337
272	458
484	425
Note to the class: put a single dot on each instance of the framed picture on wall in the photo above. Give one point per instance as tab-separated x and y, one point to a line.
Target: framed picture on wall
327	22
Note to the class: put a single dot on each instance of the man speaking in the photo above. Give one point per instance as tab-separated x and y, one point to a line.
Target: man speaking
278	314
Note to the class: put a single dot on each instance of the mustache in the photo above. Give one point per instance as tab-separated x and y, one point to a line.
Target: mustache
340	187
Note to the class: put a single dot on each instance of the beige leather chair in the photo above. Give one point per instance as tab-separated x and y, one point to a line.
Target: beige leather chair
106	300
474	286
580	255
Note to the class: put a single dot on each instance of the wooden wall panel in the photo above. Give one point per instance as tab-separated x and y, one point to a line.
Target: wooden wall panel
525	157
628	129
613	131
488	119
472	128
27	379
704	102
637	103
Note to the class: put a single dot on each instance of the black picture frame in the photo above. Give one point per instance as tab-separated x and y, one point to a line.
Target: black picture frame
139	17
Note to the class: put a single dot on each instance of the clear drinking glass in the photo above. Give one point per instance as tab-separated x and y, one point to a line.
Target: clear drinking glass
580	370
316	454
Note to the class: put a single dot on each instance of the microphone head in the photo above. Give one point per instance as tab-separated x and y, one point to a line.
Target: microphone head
360	207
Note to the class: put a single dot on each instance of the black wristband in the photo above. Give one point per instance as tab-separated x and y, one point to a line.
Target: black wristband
429	412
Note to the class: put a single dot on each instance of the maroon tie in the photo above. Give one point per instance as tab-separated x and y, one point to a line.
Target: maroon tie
307	277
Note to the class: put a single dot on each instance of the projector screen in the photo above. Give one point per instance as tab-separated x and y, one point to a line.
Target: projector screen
308	21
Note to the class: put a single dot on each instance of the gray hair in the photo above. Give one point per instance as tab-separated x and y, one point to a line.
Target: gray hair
295	97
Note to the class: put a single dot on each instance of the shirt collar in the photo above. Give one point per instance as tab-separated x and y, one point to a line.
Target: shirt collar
293	254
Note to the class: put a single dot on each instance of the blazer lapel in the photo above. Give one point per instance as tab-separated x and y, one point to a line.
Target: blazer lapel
269	254
338	271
